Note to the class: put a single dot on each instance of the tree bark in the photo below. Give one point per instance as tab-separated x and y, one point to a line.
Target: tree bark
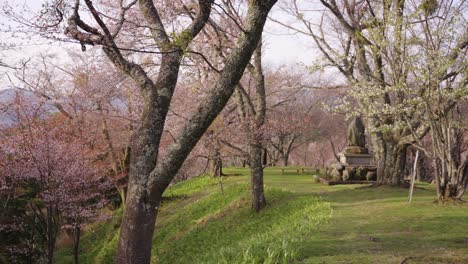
256	170
391	162
137	228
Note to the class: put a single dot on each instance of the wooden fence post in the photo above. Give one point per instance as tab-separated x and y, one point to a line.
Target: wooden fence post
414	177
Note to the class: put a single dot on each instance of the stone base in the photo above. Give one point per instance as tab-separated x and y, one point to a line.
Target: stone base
355	160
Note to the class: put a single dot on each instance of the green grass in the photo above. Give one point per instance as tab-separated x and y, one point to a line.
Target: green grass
304	222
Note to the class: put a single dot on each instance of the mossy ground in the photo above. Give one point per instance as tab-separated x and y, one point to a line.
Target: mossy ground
305	222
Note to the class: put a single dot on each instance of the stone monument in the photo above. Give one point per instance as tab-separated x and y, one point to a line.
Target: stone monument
356	152
355	161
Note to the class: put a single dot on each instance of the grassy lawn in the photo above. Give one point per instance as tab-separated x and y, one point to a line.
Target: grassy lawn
377	225
304	222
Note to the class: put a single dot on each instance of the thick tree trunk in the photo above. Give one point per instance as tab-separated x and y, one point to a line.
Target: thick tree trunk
137	228
391	162
136	232
256	170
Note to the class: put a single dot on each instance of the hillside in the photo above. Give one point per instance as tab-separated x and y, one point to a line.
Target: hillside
305	222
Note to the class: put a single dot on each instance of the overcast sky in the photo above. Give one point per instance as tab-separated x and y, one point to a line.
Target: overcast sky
282	48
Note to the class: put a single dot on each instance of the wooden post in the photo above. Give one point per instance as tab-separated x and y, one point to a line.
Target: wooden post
414	177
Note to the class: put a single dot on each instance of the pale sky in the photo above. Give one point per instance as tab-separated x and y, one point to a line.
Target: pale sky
281	48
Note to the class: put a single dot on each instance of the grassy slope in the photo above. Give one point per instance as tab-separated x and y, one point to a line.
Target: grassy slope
367	225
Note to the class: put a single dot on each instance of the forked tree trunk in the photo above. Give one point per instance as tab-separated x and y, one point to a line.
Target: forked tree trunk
149	180
137	227
451	170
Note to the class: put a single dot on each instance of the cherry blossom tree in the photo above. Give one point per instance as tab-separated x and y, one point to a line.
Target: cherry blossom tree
43	164
150	174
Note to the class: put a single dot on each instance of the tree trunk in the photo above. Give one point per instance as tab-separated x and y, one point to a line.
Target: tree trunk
286	159
216	167
137	227
451	183
264	157
51	233
451	172
76	243
391	162
421	169
256	148
256	170
463	176
136	231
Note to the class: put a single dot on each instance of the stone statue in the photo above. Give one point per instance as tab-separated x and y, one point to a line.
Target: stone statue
356	137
